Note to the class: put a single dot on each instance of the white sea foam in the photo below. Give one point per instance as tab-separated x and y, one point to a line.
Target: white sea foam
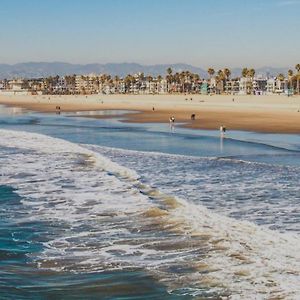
101	217
258	192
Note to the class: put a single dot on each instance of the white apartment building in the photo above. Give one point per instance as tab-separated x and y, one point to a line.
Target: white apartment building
86	84
276	86
162	86
245	86
232	87
260	86
151	87
16	85
61	85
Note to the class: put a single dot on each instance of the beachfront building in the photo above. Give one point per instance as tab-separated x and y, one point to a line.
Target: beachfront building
80	84
232	87
87	84
107	88
151	87
36	86
93	84
220	86
211	86
121	87
196	87
183	83
276	86
162	86
245	86
61	86
16	85
204	88
259	86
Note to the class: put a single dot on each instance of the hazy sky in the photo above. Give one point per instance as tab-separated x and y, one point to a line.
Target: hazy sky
204	33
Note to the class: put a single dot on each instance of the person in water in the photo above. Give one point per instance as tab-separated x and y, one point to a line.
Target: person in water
172	121
222	129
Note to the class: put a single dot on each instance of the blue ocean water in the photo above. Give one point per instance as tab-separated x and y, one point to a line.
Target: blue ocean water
20	277
76	224
155	137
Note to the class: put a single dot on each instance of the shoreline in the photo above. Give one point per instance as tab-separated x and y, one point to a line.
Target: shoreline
268	114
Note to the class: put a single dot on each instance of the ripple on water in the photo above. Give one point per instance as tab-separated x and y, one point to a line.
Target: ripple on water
114	222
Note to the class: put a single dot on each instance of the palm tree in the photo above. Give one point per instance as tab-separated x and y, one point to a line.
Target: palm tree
169	77
280	77
129	79
211	72
142	76
221	74
227	73
251	73
196	77
297	67
220	78
290	75
169	71
245	72
149	78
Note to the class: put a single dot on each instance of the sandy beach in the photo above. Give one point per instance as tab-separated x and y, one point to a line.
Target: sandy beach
272	113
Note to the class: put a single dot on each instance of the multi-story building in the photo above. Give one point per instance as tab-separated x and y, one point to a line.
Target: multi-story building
16	85
245	86
276	86
61	86
260	86
80	84
162	86
232	86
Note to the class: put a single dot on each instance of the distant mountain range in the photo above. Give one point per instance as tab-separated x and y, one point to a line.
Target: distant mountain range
44	69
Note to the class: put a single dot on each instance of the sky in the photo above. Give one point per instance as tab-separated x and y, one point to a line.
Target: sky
217	33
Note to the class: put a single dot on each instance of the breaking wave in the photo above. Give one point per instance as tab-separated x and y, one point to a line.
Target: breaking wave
103	216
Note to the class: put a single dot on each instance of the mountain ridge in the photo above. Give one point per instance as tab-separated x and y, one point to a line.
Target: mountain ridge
44	69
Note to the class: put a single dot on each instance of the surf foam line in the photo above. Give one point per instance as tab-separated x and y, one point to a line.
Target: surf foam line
103	218
264	194
37	142
233	159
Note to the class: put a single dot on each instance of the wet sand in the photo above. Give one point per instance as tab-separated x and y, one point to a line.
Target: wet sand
251	113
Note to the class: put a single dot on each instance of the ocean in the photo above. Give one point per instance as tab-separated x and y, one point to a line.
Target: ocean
101	209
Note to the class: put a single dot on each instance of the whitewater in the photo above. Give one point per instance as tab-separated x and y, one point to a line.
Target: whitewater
172	216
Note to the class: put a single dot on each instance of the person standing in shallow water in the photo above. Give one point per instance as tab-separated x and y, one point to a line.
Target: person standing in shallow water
222	130
172	122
